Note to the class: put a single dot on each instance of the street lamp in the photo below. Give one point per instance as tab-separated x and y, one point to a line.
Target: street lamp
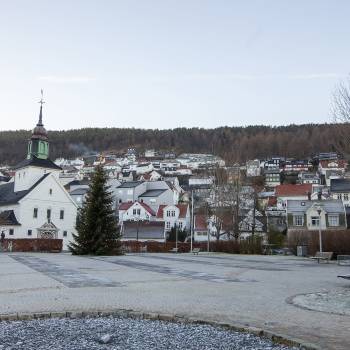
319	210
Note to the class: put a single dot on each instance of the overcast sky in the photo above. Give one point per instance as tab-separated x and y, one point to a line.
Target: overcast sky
171	63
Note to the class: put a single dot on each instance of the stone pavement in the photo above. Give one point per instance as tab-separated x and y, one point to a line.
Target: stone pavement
245	290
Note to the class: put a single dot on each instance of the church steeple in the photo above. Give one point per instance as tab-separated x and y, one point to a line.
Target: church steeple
38	145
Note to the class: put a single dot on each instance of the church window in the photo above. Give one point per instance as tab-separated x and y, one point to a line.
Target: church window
61	214
48	215
35	213
29	232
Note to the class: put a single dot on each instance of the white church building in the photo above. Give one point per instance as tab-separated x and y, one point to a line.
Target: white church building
34	204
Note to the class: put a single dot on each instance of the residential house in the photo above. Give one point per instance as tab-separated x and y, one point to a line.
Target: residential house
309	178
252	221
135	211
288	192
253	168
293	165
202	227
340	189
272	177
175	215
332	169
314	215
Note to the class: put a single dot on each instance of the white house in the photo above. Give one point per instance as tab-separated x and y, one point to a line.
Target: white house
172	215
135	211
35	203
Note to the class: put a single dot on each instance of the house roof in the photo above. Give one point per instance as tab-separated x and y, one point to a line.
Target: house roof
143	230
293	190
340	185
330	206
340	163
9	196
37	162
78	191
8	218
130	184
182	208
153	193
126	206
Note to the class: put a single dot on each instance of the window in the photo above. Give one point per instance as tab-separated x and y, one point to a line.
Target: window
298	220
346	197
168	213
315	221
11	231
333	220
61	214
339	196
64	233
180	225
35	213
50	191
138	211
29	232
48	215
134	212
173	213
168	225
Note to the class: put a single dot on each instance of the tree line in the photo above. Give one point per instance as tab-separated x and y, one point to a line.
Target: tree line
234	144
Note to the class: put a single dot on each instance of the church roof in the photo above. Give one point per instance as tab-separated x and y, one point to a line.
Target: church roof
8	218
9	196
38	162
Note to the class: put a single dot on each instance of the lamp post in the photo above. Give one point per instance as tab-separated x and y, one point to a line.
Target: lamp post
319	210
192	221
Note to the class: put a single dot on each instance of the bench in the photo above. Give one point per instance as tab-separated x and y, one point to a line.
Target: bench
174	250
347	277
196	251
322	256
343	259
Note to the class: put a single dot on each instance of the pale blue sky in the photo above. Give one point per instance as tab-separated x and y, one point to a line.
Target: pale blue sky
171	63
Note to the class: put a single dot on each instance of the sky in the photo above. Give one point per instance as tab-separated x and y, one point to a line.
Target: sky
171	63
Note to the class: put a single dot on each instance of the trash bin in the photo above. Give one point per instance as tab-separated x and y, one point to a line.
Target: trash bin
301	250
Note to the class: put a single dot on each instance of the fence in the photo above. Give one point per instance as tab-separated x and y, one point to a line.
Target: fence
248	246
31	245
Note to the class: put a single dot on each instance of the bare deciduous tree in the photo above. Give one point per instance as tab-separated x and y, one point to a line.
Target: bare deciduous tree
341	116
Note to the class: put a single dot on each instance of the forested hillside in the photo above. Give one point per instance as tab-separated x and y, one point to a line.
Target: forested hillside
232	143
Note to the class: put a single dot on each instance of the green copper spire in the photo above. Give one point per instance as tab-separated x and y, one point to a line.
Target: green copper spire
38	145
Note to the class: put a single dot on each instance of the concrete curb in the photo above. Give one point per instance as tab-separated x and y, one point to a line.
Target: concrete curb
274	337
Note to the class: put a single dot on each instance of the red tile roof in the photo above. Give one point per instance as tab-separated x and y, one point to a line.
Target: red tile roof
293	190
126	206
340	164
182	207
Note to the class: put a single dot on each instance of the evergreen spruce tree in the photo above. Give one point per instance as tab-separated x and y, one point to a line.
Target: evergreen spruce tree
97	232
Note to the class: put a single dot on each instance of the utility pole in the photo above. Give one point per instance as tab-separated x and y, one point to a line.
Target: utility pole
192	221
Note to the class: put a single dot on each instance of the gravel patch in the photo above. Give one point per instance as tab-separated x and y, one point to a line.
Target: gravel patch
334	302
114	333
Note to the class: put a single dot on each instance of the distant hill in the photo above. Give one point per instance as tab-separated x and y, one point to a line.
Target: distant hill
232	143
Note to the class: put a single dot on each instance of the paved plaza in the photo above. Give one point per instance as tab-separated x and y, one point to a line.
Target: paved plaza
286	295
